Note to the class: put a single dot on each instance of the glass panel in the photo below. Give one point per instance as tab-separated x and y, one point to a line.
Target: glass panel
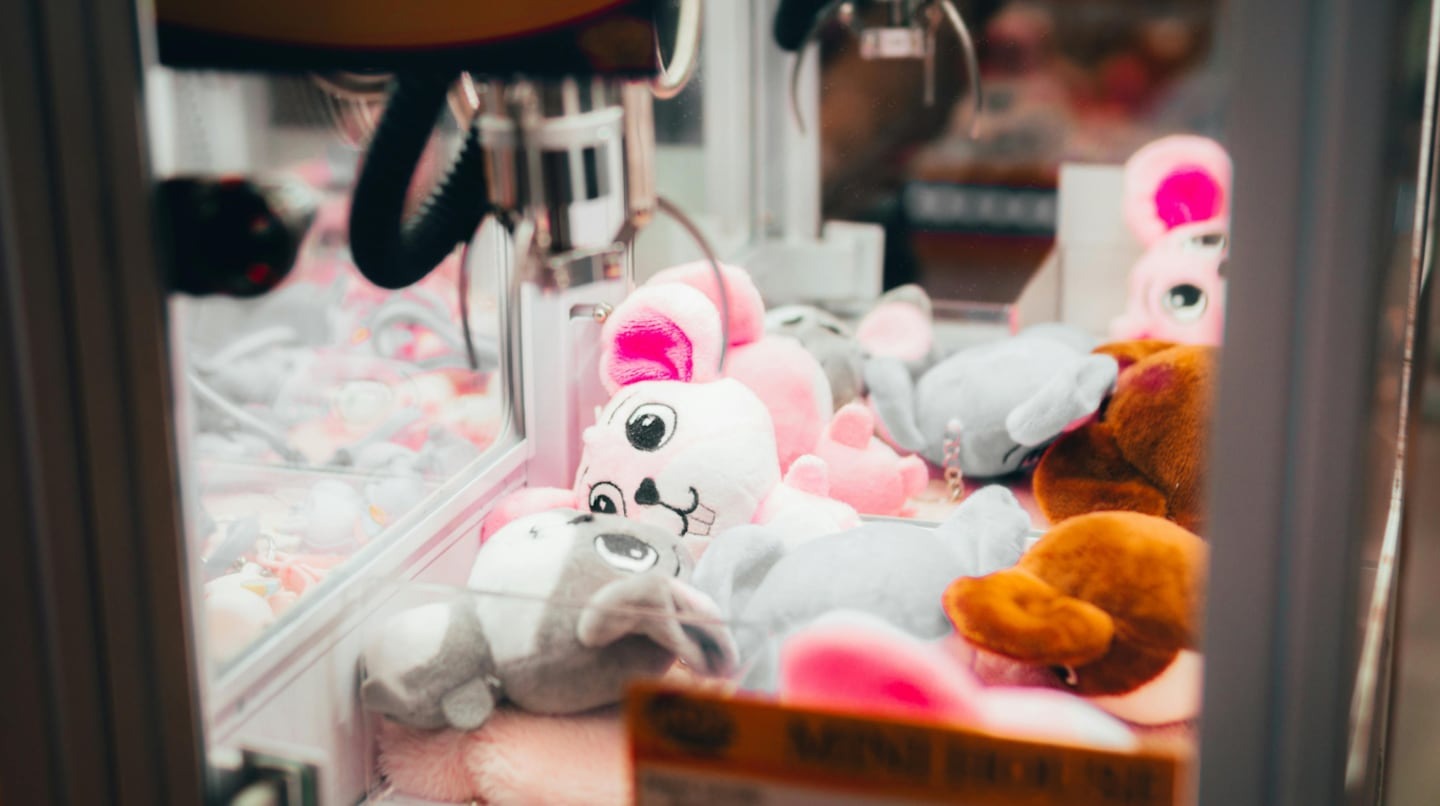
699	146
1408	249
322	413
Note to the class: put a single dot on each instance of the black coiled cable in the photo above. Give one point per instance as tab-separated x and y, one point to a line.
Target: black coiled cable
388	250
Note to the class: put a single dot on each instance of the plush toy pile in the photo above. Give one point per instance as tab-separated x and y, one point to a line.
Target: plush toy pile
713	529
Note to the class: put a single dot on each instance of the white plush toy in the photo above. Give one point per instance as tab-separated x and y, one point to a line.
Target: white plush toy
677	448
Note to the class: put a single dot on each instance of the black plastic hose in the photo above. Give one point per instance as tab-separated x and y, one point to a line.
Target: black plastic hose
388	250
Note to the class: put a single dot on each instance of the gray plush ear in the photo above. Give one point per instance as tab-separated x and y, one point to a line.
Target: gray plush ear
735	564
665	610
892	393
379	697
467	706
1070	395
909	293
988	531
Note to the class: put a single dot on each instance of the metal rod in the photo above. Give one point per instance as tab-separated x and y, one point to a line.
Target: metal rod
669	208
673	79
972	62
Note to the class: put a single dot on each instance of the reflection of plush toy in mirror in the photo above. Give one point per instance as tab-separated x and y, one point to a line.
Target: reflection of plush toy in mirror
1177	202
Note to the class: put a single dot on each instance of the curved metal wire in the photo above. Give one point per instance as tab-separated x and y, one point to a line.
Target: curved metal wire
821	20
967	49
669	208
673	78
972	62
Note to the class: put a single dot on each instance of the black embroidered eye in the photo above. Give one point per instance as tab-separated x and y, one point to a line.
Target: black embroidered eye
1208	240
607	499
626	552
790	321
833	329
650	427
1185	302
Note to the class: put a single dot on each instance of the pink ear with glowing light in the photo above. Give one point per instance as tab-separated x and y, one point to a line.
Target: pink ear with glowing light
669	332
1183	179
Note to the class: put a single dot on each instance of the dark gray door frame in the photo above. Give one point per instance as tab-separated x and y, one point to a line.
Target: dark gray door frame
1309	100
99	693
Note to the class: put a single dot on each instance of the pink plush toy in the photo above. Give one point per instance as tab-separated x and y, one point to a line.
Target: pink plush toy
678	447
864	472
1177	202
780	371
516	757
855	662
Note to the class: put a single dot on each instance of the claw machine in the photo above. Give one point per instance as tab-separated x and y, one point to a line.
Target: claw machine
659	401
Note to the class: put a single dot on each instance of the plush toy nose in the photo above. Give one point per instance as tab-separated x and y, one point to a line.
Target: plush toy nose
646	494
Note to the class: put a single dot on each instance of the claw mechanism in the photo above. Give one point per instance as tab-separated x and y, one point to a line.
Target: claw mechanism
575	162
908	31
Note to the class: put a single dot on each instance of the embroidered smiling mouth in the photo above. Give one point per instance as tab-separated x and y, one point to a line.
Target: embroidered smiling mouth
690	521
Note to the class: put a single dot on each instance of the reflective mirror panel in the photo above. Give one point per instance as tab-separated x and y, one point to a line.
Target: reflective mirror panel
323	417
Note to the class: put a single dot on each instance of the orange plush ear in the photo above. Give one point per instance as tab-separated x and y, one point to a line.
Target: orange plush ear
1086	471
1015	614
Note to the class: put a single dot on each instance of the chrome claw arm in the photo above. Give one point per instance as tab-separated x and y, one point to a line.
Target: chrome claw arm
670	209
929	69
674	76
972	62
821	20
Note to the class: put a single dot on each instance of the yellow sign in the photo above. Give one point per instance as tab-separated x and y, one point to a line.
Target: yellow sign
687	744
374	23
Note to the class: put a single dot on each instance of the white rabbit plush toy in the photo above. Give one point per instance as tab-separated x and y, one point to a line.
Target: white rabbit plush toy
1177	202
678	448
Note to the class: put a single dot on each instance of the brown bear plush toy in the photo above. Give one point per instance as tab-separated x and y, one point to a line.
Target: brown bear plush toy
1111	602
1145	452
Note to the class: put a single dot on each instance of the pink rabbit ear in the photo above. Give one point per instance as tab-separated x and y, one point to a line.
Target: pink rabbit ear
747	309
856	663
1183	179
661	333
897	329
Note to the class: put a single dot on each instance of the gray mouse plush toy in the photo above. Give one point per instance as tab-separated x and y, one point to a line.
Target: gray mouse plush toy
899	326
567	608
893	570
998	404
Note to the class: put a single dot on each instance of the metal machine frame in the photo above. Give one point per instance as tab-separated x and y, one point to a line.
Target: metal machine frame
101	694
